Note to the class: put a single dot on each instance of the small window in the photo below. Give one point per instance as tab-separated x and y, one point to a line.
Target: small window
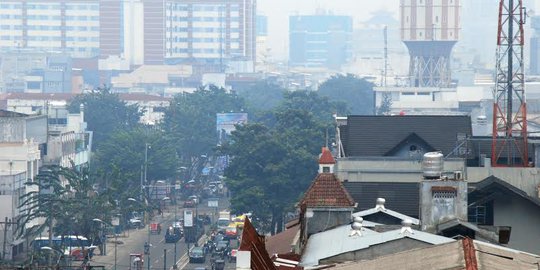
325	169
413	148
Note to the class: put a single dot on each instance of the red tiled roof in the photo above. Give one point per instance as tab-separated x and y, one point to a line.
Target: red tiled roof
327	191
281	242
326	157
254	243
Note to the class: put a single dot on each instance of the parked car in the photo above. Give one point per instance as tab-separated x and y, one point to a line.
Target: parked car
196	255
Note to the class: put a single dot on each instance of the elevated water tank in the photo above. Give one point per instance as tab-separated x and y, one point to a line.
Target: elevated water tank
432	165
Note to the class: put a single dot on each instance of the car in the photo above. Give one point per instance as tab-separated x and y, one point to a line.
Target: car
222	245
231	232
172	235
196	255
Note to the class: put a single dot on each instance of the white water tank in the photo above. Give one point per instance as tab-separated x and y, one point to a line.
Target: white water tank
432	165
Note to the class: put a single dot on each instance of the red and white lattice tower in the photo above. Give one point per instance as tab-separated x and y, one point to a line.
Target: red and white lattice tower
509	144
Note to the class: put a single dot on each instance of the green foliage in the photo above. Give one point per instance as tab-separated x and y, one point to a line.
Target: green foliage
262	96
321	107
66	200
191	119
386	105
272	166
357	93
104	113
123	153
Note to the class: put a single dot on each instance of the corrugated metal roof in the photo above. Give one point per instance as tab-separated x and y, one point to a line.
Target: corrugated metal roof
337	241
254	243
377	135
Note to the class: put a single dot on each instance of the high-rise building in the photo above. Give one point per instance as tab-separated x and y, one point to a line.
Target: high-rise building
70	26
320	40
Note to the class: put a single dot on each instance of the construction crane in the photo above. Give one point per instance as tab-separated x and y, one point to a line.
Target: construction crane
509	139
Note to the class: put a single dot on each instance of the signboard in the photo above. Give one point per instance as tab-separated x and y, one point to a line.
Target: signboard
188	218
226	121
213	203
115	221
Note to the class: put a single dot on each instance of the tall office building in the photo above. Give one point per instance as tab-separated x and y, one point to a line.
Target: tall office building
320	40
70	26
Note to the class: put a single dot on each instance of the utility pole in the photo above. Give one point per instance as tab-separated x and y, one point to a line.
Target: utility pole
7	222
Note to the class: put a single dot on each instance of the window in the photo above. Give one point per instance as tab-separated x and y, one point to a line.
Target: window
325	169
413	148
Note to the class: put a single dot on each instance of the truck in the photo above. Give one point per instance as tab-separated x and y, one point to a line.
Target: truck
223	221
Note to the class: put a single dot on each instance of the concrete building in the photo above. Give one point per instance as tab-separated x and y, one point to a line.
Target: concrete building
21	143
67	26
320	41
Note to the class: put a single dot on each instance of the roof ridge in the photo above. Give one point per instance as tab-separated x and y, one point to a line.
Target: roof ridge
327	191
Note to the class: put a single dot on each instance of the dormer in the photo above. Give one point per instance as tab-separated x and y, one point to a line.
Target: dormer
326	161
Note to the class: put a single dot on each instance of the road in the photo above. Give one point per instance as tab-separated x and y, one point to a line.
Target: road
134	241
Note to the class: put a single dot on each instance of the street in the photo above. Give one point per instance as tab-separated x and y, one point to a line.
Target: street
162	254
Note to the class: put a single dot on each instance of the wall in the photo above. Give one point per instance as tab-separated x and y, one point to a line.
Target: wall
526	179
324	219
450	205
524	218
387	169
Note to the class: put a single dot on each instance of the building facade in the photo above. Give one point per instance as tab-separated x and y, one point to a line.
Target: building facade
320	40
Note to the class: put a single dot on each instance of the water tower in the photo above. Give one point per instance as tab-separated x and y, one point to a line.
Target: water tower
429	29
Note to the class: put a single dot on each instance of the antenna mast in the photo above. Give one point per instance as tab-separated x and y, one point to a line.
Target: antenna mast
509	137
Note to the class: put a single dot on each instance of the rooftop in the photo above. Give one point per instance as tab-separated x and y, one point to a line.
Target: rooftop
327	191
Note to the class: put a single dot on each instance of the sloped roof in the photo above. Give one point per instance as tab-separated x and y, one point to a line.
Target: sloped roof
326	157
337	241
254	243
281	243
400	197
464	254
377	135
327	191
386	211
492	185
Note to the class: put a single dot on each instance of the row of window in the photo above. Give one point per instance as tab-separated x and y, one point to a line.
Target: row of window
49	27
49	17
204	40
203	19
210	51
52	6
184	7
202	29
48	38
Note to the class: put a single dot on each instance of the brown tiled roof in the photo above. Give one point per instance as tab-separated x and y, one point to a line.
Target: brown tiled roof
327	191
254	243
326	157
281	242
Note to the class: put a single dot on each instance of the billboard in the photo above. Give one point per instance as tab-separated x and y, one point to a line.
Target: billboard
226	121
188	218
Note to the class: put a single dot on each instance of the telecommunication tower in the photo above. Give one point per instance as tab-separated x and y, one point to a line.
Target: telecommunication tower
509	144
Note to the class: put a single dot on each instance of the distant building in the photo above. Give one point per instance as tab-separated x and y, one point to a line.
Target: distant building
65	26
535	47
320	40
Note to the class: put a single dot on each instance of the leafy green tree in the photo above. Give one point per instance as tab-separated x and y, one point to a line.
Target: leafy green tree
65	200
357	93
191	119
386	105
124	150
321	107
271	167
104	113
261	96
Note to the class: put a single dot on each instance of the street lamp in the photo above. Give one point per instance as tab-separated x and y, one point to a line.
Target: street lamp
105	243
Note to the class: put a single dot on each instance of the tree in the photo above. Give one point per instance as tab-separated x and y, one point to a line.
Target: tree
321	107
65	200
191	119
123	153
386	105
357	93
271	167
262	96
104	113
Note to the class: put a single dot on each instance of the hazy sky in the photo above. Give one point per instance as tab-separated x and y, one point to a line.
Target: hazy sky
278	12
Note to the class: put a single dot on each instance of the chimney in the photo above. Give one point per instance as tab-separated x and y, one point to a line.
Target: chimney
441	199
